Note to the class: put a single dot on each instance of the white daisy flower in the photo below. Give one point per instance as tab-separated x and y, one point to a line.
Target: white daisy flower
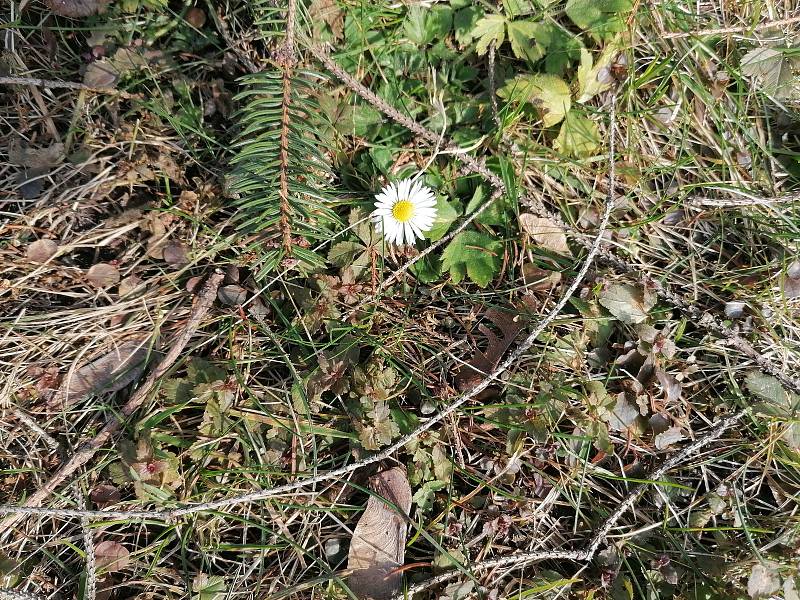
403	210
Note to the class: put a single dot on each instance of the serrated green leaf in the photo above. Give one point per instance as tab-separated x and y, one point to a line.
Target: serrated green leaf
524	37
578	136
342	254
548	93
424	495
516	8
491	28
601	19
414	25
474	254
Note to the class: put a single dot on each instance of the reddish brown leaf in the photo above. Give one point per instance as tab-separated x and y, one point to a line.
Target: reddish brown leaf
483	362
105	495
41	251
103	275
111	556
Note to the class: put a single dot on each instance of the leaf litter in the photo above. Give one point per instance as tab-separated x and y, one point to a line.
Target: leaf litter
377	548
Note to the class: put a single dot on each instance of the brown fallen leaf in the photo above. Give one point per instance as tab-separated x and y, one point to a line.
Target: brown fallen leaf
100	74
105	495
546	233
108	373
41	251
22	155
377	549
103	275
111	556
483	362
176	254
233	295
76	8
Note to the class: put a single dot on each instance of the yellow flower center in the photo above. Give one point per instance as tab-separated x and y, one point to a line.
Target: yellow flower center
403	210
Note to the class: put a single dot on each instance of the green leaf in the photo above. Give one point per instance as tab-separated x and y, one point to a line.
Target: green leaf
601	19
595	78
208	587
414	25
515	8
343	253
578	136
772	69
491	28
548	93
446	214
524	37
562	48
474	254
438	22
424	495
464	23
777	400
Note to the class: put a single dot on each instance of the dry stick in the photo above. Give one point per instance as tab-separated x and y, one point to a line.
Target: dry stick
586	555
699	317
723	30
66	85
88	450
384	454
747	200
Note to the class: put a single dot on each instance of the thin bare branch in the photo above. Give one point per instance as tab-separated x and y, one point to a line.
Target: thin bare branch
740	29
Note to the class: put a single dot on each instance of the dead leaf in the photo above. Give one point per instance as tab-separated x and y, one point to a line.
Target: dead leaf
21	155
483	362
546	233
41	251
111	556
233	295
764	580
76	8
624	416
539	280
377	549
327	11
108	373
627	303
129	285
666	438
103	275
176	254
791	282
672	387
105	495
196	17
100	74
